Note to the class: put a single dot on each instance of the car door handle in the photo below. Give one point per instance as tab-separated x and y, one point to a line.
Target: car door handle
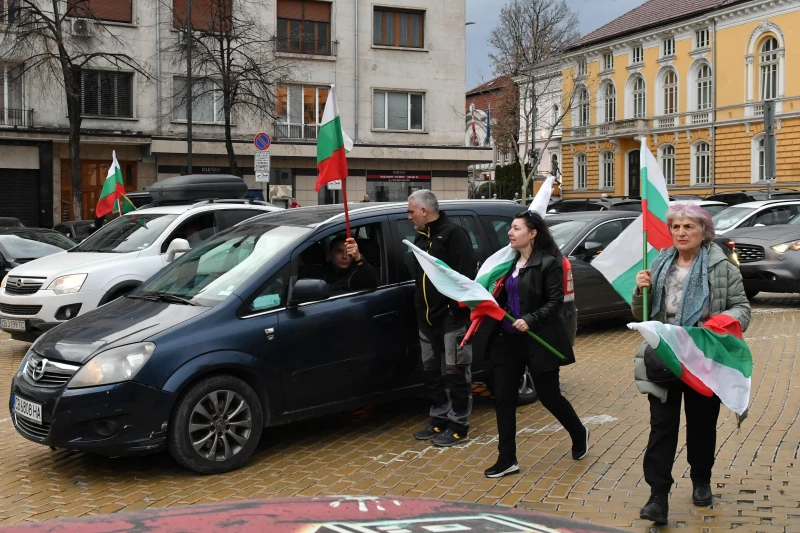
385	317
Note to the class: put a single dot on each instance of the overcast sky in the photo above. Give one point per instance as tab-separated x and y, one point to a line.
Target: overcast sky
592	15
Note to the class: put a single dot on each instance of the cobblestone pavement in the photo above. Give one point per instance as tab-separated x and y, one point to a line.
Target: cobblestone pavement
371	452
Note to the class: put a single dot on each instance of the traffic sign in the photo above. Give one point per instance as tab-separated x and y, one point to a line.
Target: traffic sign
262	177
262	162
335	185
262	141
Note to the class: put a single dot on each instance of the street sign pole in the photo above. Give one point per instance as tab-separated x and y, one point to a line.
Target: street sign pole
770	167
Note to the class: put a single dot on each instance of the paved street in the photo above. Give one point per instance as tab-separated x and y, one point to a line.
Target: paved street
371	452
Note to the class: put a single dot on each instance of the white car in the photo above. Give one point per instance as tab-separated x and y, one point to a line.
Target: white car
117	258
711	206
754	214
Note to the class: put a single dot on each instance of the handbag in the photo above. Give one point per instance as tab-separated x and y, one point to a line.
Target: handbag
657	371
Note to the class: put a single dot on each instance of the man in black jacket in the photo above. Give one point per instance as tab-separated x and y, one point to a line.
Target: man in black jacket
346	269
443	323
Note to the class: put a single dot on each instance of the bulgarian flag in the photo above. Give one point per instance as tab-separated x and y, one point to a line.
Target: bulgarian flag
639	244
713	359
470	293
332	145
112	196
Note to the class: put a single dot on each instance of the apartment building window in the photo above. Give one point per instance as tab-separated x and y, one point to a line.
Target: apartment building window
639	98
402	111
607	170
300	109
704	88
769	69
582	68
107	93
398	28
609	103
206	100
608	61
207	15
116	11
580	171
556	116
638	55
304	27
701	39
670	93
11	93
759	159
701	163
668	47
583	107
668	163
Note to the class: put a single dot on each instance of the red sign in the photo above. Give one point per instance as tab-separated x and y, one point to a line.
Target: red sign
397	175
262	141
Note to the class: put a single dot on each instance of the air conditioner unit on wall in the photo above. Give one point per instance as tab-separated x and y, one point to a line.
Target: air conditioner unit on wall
81	28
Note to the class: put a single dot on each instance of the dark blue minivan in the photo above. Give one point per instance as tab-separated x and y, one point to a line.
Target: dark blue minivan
240	333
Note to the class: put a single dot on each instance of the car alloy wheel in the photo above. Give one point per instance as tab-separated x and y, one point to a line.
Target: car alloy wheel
220	425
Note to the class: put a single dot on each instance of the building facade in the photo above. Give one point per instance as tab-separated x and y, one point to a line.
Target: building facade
692	79
541	118
399	71
481	115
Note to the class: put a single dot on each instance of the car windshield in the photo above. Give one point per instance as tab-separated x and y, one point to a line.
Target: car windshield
794	220
83	230
714	209
728	218
7	222
129	233
33	245
564	231
210	273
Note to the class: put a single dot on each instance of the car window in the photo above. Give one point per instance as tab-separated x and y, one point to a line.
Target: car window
727	218
775	215
563	231
604	234
714	209
406	270
272	295
230	217
321	260
468	223
195	230
62	229
128	233
499	227
33	245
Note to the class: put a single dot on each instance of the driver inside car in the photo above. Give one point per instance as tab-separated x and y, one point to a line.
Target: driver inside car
346	269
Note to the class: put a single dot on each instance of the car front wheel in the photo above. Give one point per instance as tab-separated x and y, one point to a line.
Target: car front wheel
216	425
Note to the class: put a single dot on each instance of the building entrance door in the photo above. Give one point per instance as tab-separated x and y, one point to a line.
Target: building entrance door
634	175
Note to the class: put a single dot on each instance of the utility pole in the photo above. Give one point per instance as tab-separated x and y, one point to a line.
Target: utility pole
769	145
189	86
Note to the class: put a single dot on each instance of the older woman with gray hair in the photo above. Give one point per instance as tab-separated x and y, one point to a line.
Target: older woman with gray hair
688	282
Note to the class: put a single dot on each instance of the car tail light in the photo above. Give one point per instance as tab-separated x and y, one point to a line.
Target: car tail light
569	284
731	245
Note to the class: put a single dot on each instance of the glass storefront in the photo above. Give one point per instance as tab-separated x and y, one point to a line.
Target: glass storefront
395	185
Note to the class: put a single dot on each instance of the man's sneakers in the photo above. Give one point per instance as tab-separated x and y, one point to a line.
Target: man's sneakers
428	433
656	509
449	438
581	448
502	468
702	496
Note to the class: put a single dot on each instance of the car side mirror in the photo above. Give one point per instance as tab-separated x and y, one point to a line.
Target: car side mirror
177	247
591	249
309	290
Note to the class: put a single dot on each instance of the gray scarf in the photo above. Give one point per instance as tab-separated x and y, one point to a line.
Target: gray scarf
695	289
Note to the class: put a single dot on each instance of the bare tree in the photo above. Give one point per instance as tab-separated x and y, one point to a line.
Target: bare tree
40	39
527	43
233	62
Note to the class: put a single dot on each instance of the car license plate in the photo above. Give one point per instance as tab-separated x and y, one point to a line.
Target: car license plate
17	325
28	409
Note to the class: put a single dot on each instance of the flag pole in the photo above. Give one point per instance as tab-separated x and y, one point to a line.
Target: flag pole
346	210
644	185
538	338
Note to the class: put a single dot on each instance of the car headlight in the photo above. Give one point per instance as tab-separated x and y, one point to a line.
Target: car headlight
113	366
67	284
785	247
3	283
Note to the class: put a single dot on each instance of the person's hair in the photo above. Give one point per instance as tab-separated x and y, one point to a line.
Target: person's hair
695	212
544	239
335	241
425	198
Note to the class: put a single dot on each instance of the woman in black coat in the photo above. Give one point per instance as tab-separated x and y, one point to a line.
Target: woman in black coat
533	290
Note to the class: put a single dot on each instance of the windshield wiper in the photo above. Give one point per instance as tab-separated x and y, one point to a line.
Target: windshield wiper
165	297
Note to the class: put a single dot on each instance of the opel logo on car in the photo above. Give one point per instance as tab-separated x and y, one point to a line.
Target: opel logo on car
19	283
38	370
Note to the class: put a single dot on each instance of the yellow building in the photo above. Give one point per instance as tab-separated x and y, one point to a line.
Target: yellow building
692	79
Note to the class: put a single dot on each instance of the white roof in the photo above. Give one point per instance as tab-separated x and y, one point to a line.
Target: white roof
182	208
762	203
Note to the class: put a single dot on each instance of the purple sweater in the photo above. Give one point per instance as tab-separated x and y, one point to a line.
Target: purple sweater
512	305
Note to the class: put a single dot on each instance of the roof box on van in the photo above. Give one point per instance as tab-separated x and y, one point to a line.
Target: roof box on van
196	187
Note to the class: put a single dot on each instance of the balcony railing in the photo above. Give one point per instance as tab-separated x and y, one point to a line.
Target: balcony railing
18	118
580	132
666	122
293	45
702	117
285	130
758	109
